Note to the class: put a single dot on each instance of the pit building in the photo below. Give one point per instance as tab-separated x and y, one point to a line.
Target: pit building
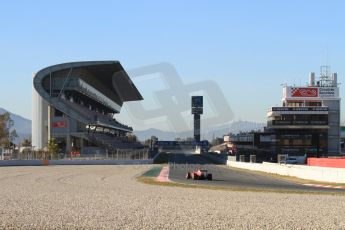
308	122
76	104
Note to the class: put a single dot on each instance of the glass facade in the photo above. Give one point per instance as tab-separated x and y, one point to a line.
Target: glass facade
305	142
299	131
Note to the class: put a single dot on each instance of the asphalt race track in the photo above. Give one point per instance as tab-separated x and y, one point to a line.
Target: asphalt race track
181	163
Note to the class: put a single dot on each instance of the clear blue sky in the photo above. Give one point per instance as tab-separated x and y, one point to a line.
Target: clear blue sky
248	47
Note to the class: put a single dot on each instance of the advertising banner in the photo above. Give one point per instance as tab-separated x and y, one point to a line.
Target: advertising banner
59	124
327	92
311	92
304	92
299	108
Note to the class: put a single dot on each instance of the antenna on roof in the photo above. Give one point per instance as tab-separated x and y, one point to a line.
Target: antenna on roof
327	79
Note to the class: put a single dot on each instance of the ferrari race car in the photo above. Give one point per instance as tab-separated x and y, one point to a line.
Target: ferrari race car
200	174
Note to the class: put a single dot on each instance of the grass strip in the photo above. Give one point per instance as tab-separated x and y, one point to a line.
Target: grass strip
154	172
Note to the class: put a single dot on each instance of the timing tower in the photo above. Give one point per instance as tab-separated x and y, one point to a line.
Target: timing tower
197	110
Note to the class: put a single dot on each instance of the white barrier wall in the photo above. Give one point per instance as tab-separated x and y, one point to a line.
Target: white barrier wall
323	174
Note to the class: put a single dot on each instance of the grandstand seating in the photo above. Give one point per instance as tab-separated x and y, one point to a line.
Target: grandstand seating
87	94
112	142
95	117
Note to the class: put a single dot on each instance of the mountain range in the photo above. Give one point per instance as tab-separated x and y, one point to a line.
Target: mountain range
23	128
219	131
21	125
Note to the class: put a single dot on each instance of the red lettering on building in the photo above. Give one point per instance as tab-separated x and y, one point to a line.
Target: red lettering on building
304	92
59	124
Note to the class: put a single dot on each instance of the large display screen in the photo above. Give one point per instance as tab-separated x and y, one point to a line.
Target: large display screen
197	110
197	101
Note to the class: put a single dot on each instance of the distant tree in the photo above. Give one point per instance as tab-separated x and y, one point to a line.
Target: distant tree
26	143
53	148
132	137
7	133
147	142
151	142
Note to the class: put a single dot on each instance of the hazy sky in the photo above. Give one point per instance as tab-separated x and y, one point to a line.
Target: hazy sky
249	48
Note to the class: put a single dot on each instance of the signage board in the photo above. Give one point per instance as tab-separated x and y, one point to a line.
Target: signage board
308	122
299	108
59	124
197	110
311	92
226	138
327	92
304	92
197	101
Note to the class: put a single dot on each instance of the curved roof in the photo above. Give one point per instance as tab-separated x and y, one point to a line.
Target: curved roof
111	73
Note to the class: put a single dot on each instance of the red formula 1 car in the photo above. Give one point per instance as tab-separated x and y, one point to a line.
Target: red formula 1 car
199	174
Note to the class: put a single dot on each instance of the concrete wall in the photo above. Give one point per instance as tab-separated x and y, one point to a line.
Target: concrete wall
21	163
323	174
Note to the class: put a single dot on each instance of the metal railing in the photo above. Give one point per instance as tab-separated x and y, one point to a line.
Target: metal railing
120	154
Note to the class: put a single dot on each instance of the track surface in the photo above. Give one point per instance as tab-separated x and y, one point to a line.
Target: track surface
110	197
180	164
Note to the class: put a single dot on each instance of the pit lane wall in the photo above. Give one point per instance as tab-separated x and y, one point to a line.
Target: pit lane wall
322	174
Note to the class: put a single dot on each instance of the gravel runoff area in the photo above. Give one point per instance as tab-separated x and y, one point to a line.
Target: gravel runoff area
109	197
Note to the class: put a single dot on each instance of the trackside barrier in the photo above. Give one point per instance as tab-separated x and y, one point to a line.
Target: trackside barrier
72	162
100	162
21	163
327	162
323	174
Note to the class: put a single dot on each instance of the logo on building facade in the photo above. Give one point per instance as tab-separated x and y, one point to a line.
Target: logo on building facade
304	92
327	92
59	124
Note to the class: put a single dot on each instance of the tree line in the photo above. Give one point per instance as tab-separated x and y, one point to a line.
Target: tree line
7	133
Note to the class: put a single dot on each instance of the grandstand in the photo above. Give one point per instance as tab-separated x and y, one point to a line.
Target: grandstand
76	104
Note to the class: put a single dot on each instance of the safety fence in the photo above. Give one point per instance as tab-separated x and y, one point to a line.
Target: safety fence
120	154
